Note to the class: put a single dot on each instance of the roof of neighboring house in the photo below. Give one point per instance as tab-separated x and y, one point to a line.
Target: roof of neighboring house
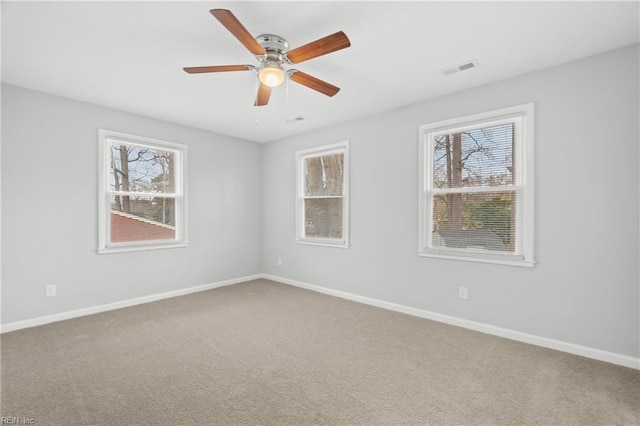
468	238
127	227
142	219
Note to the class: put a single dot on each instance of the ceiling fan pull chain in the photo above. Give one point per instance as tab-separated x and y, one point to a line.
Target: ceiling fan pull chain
256	88
286	100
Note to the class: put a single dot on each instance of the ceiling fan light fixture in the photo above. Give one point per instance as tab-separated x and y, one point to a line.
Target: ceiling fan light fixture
271	74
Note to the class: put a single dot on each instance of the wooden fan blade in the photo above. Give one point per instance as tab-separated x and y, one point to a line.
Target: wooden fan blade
234	26
320	47
263	95
313	83
218	68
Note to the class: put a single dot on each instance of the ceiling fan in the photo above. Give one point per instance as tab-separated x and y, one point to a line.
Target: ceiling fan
272	51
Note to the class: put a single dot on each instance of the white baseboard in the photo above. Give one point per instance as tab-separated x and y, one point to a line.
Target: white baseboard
558	345
18	325
571	348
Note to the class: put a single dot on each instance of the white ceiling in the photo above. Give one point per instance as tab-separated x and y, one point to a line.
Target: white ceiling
129	55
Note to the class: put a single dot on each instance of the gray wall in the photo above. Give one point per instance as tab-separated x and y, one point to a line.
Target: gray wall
49	209
584	288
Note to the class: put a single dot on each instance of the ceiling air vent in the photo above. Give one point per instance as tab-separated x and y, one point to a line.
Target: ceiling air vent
294	119
460	67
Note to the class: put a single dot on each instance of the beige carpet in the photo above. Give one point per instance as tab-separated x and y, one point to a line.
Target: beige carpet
266	353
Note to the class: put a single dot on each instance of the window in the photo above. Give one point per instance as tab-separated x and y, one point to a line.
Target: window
476	187
141	193
322	207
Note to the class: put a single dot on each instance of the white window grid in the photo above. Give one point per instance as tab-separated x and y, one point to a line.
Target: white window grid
107	139
301	197
522	118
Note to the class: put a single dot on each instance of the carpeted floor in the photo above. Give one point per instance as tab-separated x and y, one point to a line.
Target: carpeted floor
266	353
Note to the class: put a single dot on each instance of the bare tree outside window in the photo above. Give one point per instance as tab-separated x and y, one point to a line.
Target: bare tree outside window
474	170
322	186
141	170
323	196
142	205
476	180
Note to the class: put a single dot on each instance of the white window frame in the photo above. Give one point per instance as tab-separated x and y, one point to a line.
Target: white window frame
523	118
106	139
301	156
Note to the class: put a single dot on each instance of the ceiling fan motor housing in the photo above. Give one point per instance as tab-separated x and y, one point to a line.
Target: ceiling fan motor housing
275	46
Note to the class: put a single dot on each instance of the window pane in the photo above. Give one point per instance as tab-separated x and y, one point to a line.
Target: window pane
142	219
479	157
323	217
140	169
484	221
324	175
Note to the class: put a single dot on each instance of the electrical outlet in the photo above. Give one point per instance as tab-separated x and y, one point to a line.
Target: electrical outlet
50	290
279	261
463	293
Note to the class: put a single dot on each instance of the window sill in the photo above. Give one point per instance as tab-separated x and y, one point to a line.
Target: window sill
123	249
325	243
495	259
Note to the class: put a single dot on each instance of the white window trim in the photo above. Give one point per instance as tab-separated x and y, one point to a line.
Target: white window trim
105	137
340	147
524	180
